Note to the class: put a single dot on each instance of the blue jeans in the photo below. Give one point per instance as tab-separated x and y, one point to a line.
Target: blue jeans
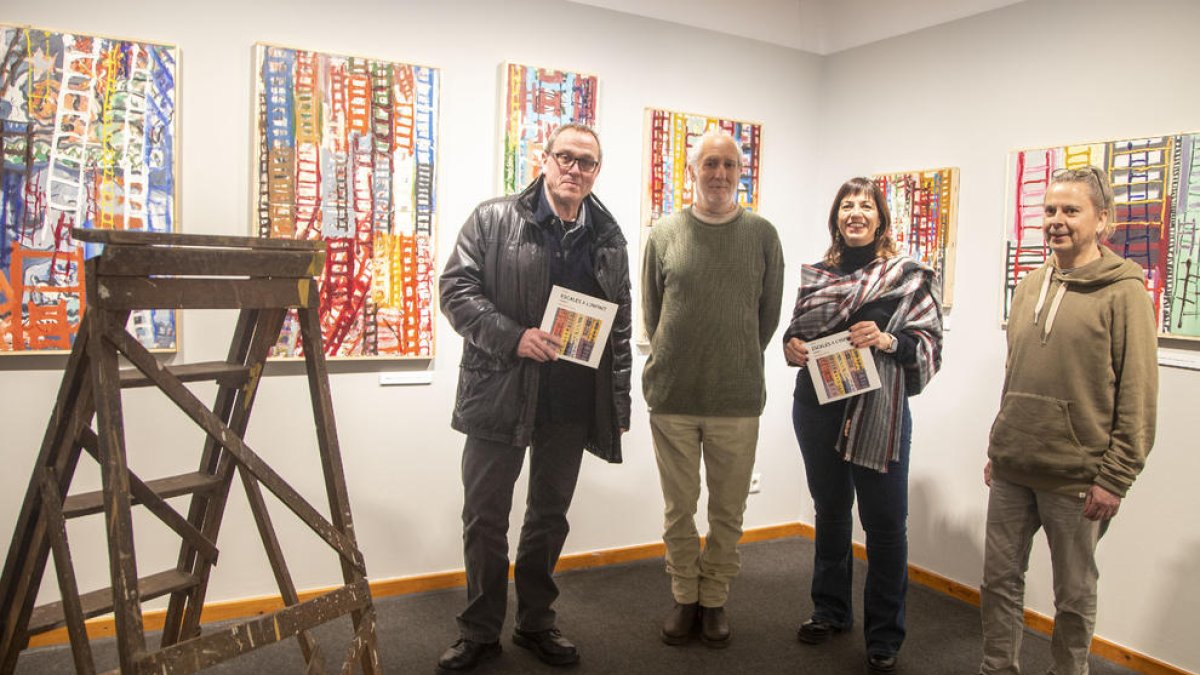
883	512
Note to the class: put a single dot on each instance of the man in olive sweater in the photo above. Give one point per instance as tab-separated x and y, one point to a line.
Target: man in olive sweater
712	285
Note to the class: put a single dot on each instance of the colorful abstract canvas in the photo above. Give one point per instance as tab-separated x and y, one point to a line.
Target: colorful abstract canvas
1181	311
87	136
536	101
924	210
1156	182
669	136
347	148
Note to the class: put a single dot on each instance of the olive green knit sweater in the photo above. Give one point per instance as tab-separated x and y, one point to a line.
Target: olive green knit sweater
711	298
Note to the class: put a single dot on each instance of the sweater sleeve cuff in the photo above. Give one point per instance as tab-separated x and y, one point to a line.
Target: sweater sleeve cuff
1106	482
906	348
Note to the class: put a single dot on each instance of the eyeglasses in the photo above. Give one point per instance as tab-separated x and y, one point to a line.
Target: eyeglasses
566	160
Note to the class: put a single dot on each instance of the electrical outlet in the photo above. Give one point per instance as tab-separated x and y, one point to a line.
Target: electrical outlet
755	483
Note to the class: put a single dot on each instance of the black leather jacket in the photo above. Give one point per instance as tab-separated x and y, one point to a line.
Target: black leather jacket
495	285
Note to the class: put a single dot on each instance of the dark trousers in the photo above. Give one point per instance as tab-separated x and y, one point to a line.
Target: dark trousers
883	512
489	472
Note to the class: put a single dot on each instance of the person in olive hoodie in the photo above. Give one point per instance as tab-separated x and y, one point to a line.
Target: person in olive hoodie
514	393
1075	424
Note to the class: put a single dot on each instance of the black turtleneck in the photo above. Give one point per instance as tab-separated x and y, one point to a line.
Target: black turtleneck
855	258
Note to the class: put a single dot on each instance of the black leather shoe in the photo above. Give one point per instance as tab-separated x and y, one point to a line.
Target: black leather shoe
680	623
816	631
881	663
549	646
466	654
714	627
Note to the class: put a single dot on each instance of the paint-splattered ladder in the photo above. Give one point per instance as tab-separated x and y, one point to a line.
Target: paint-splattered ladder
263	278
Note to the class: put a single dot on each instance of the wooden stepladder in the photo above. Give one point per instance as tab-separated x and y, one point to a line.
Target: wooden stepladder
263	278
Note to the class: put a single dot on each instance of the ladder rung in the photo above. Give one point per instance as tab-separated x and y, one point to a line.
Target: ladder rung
227	374
95	603
87	503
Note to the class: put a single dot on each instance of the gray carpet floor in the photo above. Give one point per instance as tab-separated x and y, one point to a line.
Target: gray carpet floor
614	613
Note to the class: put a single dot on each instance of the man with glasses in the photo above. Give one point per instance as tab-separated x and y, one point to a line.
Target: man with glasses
513	393
712	284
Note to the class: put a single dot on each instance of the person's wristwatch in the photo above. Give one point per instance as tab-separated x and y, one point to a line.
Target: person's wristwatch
891	348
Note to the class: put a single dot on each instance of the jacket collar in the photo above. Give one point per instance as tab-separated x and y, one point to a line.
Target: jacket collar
604	225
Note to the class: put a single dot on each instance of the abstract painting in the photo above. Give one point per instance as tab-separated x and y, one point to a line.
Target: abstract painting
1156	181
669	136
536	101
1181	312
924	209
347	148
87	136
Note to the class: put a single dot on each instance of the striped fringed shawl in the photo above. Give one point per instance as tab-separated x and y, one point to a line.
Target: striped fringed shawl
872	423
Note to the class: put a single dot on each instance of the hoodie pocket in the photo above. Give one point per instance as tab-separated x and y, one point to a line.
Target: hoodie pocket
1034	434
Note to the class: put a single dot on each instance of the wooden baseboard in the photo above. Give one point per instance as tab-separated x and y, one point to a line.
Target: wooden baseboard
104	626
1105	649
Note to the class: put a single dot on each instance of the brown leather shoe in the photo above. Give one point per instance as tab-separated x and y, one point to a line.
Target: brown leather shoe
680	623
714	627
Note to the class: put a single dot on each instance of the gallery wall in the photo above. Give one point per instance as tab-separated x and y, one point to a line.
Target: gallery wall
962	94
965	94
401	457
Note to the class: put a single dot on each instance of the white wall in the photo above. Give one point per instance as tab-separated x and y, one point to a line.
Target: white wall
402	459
965	94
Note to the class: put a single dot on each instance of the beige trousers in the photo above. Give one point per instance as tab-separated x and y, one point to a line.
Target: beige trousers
727	446
1015	514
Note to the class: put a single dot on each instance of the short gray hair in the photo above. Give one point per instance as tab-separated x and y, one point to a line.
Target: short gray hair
693	153
574	126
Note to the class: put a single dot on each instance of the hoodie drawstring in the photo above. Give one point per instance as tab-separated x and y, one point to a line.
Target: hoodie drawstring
1058	296
1037	311
1062	290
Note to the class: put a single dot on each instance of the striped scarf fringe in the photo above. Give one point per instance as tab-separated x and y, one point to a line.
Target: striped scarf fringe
871	426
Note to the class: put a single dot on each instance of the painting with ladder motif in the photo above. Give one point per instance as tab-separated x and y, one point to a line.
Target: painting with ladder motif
87	136
1156	183
924	209
666	187
669	136
347	150
536	102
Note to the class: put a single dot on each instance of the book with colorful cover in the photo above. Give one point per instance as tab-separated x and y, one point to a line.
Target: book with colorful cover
582	322
839	370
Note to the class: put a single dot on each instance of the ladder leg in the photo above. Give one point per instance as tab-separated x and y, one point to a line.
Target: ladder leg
114	474
287	588
29	551
210	462
253	338
335	477
363	646
57	529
